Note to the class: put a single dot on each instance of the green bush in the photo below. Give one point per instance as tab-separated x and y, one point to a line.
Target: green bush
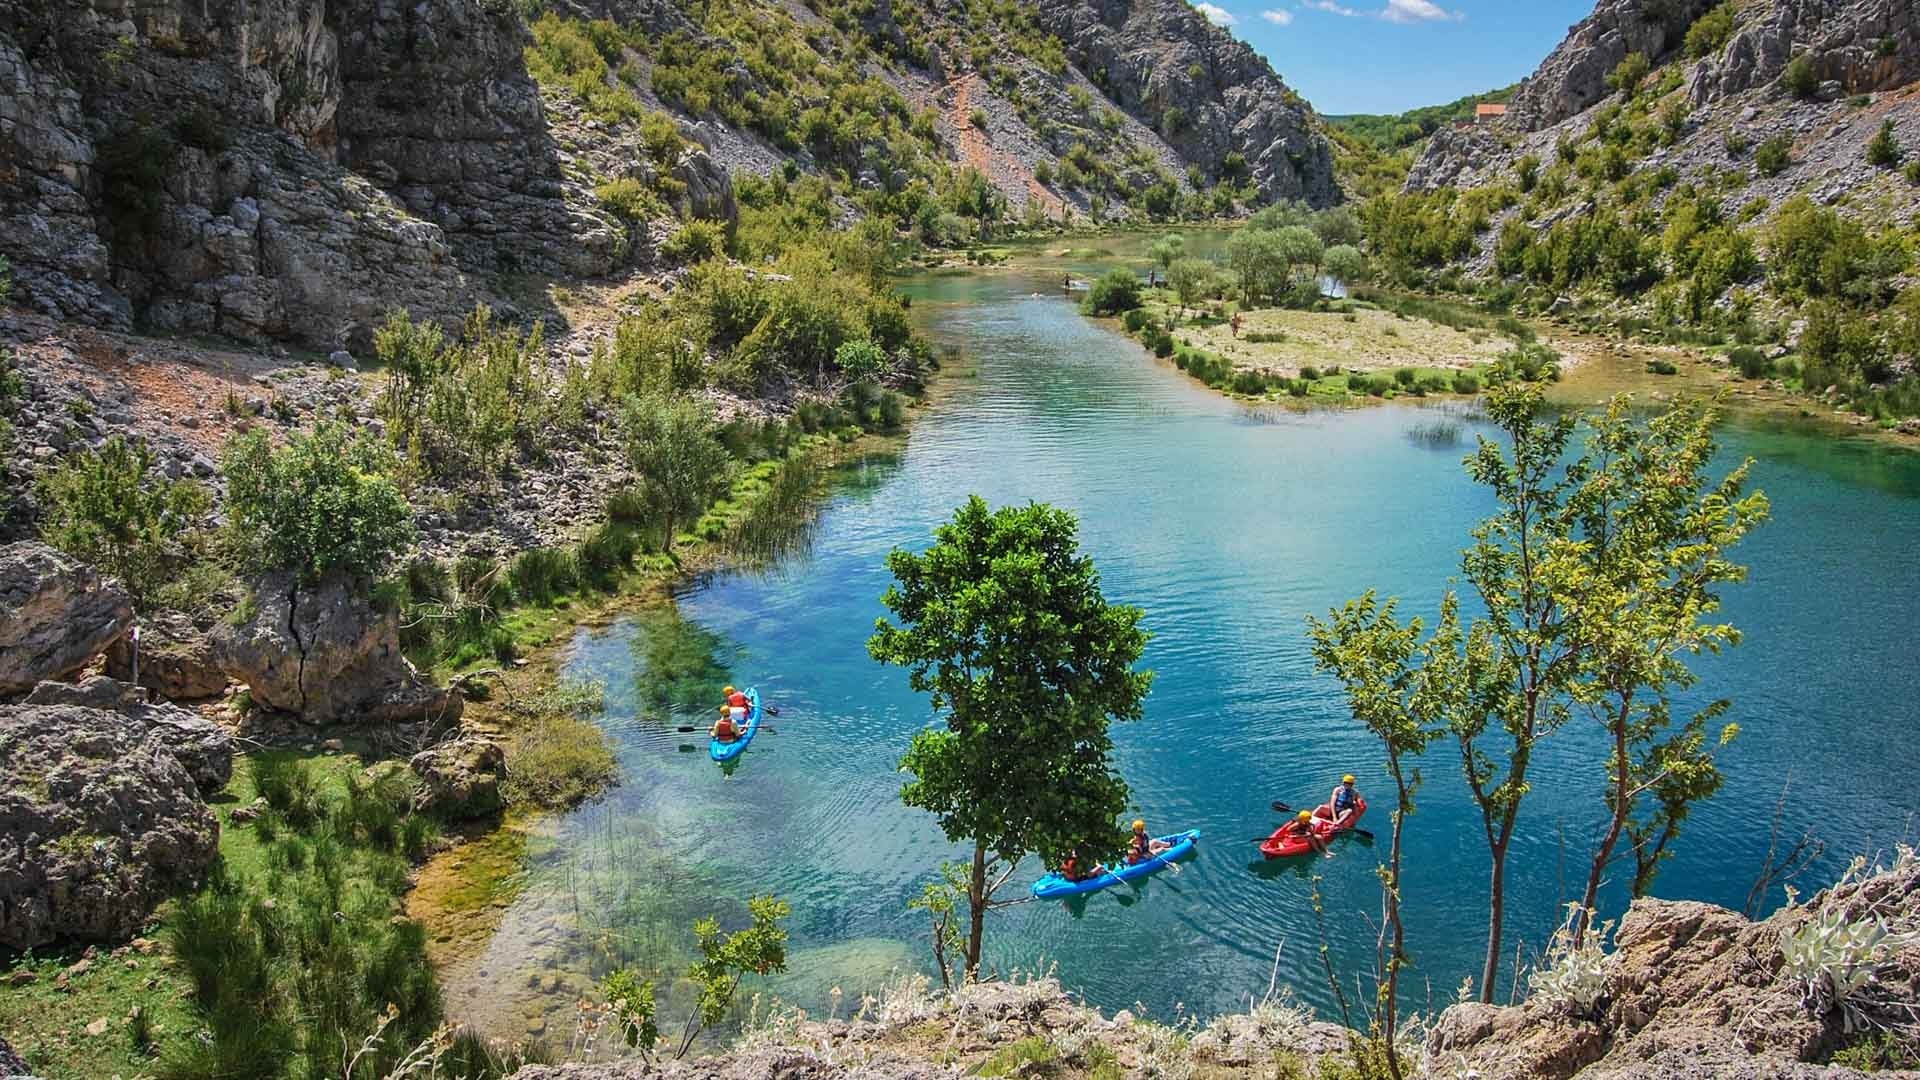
541	575
1752	363
325	502
695	241
1662	367
1883	151
630	199
681	466
1800	76
460	409
105	508
1774	155
1405	376
1629	73
1310	373
1115	291
1135	320
1465	382
1710	32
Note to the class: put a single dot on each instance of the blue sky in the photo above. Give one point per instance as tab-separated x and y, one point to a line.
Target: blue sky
1387	56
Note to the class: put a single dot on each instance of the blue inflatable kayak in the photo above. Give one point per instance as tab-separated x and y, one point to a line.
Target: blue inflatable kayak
1054	887
727	751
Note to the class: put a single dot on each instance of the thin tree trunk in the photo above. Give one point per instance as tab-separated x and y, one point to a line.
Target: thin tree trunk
1496	917
977	910
1398	949
1622	799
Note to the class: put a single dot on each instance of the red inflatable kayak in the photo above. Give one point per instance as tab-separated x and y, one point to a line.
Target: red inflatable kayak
1280	847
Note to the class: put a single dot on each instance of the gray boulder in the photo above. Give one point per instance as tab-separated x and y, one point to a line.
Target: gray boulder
11	1064
98	824
461	778
201	746
328	655
56	615
176	659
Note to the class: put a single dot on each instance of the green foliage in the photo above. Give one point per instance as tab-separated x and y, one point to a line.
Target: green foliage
681	464
1801	77
630	200
1345	263
560	755
1629	73
1883	150
1818	251
103	507
323	503
460	409
1113	292
1003	624
1774	155
695	241
1167	250
1710	32
860	361
1192	279
297	967
726	958
1259	260
1416	229
631	1000
1392	132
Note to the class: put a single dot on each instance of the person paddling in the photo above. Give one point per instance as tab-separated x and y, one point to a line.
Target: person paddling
724	729
736	706
1304	828
1075	868
1143	847
1343	804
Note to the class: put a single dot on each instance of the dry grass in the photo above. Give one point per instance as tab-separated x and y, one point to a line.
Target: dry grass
1373	341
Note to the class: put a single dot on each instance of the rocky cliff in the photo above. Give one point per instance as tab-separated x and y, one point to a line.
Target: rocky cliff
290	169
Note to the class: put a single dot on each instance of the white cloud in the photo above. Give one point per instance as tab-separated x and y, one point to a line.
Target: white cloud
1330	6
1216	14
1277	16
1411	11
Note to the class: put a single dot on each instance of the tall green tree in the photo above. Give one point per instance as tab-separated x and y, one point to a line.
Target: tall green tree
1002	622
105	508
1167	249
325	502
1260	260
1192	279
681	464
1407	694
1650	551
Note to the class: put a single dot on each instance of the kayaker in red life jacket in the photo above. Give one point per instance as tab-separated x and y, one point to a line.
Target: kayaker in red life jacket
1342	804
1142	847
724	728
1076	869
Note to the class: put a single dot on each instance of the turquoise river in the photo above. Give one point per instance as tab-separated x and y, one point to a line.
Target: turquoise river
1228	525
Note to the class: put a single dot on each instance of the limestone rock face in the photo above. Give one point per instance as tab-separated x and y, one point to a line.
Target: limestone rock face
176	659
56	615
326	654
461	778
1692	990
201	746
1574	75
98	824
1161	54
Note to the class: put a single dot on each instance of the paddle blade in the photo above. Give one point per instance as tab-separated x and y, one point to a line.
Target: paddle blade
1281	807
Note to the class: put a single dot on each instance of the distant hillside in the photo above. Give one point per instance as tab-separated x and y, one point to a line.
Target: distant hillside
1739	173
1394	131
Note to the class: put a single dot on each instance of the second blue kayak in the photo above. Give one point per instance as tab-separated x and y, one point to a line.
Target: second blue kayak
1053	886
727	751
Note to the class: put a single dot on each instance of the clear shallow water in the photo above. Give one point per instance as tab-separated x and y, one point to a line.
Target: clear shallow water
1228	526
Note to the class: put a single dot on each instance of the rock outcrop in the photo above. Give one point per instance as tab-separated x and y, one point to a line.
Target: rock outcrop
461	778
98	824
176	659
56	615
1691	990
1574	75
201	746
1864	45
328	655
1163	54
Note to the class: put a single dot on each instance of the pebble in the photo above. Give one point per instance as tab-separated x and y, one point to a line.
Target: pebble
98	1027
22	977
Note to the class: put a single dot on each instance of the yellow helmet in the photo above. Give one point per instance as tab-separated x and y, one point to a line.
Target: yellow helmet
1347	779
1304	815
1139	825
728	691
724	710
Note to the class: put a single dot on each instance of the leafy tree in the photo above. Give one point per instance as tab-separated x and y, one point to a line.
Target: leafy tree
681	464
941	901
860	360
1166	249
725	959
1652	539
1345	263
325	502
1113	292
1301	246
1003	624
1337	225
102	507
1259	259
1407	694
1883	151
1192	279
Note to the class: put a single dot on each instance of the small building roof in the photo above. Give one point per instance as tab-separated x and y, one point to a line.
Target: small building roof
1489	109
